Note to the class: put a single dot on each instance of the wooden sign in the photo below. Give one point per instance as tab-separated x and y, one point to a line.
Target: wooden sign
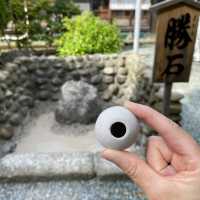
176	28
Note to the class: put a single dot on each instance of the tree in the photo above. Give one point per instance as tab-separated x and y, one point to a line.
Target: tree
37	19
4	15
66	8
44	17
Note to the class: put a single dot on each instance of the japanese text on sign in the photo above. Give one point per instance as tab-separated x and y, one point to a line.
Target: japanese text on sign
177	36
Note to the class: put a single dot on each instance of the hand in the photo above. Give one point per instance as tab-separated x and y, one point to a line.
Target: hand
172	167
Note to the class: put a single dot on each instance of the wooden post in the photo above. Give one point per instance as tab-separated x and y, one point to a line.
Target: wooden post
167	97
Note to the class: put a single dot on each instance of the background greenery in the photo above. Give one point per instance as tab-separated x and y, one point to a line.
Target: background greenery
54	23
87	34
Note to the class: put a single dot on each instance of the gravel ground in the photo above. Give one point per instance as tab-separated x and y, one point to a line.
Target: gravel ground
42	134
94	189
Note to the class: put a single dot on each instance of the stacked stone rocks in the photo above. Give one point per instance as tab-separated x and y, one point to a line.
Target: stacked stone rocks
30	79
146	88
122	78
152	94
175	107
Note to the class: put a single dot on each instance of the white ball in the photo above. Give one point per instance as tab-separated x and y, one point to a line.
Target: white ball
117	128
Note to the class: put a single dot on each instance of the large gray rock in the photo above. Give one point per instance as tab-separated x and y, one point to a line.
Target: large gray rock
79	103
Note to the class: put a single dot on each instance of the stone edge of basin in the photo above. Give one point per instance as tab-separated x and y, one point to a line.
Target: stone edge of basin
53	166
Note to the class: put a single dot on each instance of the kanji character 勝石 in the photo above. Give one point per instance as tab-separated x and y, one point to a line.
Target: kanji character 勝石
177	32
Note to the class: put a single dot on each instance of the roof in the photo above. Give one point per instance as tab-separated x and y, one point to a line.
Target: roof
169	3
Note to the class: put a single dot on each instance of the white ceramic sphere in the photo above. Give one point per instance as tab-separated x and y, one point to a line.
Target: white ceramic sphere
117	117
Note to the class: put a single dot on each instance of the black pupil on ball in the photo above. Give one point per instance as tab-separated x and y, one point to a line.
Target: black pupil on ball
118	129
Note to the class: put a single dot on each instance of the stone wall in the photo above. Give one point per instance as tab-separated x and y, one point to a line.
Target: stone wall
27	80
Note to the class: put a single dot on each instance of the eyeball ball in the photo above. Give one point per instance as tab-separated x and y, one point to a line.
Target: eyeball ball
116	128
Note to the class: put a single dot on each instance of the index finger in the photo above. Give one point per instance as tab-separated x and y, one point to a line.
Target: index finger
177	139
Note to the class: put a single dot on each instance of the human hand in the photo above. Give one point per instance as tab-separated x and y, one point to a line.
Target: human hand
172	167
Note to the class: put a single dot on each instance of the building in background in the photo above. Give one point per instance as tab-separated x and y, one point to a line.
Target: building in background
122	12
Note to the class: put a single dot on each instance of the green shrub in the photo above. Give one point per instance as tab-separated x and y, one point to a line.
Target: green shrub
87	34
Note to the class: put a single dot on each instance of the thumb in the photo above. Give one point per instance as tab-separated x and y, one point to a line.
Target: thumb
136	168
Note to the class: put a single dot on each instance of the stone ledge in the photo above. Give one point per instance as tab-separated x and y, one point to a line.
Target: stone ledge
46	166
58	166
